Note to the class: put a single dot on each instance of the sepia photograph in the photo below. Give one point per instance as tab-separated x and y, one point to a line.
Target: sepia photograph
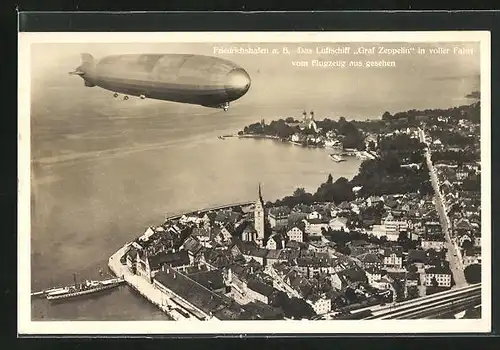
314	182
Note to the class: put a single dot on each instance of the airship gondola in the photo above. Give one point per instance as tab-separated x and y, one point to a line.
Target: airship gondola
194	79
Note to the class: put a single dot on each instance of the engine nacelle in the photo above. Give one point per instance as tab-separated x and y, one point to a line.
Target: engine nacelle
224	106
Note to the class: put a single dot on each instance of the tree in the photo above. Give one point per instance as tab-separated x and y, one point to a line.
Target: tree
279	299
386	116
351	295
342	249
425	188
372	146
403	237
297	308
299	192
255	128
467	244
413	292
392	164
405	241
399	287
280	128
473	273
339	191
267	228
330	179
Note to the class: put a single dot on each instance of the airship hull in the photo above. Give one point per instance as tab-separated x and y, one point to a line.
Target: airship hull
168	92
193	79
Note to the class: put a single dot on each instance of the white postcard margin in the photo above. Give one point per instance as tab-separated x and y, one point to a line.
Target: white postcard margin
28	327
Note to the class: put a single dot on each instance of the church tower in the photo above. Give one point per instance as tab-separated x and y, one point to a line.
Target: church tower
259	217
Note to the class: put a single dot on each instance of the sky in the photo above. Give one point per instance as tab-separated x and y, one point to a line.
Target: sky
416	81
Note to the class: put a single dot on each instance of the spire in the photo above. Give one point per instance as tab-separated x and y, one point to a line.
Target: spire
260	193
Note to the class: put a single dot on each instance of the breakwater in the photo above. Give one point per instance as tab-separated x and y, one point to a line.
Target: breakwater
175	216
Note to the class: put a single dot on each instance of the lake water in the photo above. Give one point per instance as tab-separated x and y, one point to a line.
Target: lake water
94	191
103	170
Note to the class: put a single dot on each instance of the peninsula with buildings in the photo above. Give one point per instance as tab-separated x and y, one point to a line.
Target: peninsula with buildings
407	226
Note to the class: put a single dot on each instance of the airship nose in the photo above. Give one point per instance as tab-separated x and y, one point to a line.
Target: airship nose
237	83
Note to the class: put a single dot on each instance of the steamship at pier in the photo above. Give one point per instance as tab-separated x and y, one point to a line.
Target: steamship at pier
80	289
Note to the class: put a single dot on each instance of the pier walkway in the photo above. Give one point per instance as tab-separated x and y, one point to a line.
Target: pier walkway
143	287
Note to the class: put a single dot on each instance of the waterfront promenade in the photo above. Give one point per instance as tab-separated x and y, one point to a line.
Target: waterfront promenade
143	287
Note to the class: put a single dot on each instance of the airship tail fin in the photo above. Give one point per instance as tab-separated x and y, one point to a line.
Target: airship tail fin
88	61
87	58
85	70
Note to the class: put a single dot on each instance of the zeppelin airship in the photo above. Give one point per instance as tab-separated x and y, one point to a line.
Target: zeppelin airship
194	79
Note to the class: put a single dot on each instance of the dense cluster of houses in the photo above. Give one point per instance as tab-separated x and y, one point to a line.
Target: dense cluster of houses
298	253
235	262
308	133
459	185
448	126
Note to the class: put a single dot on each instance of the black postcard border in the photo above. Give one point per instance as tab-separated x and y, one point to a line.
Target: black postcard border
275	21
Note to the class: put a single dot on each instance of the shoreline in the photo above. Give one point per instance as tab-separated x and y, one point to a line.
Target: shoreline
146	289
149	290
143	287
363	155
140	285
277	138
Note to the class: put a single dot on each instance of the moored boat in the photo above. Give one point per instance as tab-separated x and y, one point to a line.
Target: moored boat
78	289
336	158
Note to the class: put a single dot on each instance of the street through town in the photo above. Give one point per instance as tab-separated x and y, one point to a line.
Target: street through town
452	254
